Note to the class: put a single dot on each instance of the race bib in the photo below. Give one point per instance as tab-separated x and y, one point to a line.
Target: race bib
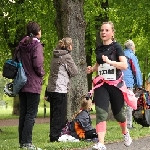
107	72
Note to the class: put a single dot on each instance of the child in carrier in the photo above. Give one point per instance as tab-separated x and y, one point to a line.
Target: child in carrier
81	127
142	114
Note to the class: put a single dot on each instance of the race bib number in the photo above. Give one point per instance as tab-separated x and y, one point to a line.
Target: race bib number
107	72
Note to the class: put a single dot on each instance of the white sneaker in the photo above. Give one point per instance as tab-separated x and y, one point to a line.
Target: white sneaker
99	146
127	139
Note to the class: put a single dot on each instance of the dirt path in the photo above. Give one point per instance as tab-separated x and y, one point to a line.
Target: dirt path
14	122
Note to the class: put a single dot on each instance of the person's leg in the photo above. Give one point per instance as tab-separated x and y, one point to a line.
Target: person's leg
129	114
22	114
117	105
51	105
59	114
31	112
101	98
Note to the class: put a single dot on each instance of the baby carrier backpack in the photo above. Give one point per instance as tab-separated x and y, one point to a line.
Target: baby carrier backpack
142	114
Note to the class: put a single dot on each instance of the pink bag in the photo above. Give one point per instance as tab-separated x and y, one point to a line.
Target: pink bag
129	97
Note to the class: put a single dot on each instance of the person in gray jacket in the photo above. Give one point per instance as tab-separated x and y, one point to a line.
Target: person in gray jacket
62	68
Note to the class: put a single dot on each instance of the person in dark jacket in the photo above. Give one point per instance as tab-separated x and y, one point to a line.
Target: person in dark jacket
31	54
62	68
132	76
82	124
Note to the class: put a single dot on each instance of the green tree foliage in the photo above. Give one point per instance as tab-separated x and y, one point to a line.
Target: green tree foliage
15	14
131	19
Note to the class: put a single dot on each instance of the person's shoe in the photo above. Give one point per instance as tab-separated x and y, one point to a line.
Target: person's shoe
99	146
21	145
130	128
95	140
54	139
30	147
127	139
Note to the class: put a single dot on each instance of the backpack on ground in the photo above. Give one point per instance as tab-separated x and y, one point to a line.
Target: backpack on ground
76	130
142	114
66	129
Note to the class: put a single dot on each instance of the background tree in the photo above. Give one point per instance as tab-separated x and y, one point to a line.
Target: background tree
70	23
133	23
94	19
81	21
14	17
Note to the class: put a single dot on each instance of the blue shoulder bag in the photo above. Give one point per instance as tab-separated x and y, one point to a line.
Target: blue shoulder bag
19	80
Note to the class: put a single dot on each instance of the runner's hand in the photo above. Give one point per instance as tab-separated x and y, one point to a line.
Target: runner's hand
89	69
105	59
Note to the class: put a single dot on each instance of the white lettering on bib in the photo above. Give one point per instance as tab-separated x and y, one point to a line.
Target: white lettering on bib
107	72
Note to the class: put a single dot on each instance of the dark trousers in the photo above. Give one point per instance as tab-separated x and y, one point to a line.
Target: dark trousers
28	110
105	94
58	114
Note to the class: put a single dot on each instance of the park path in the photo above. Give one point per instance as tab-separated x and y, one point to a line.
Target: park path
138	144
14	122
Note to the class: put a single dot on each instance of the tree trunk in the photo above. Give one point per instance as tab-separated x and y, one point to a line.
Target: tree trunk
88	40
16	106
70	23
20	32
89	76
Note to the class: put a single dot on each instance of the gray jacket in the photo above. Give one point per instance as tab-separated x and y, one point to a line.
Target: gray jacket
62	68
83	118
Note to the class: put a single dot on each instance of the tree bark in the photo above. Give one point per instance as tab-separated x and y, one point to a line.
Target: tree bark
70	23
16	106
89	52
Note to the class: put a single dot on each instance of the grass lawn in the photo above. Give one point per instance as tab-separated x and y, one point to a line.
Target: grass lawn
6	113
9	139
9	135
